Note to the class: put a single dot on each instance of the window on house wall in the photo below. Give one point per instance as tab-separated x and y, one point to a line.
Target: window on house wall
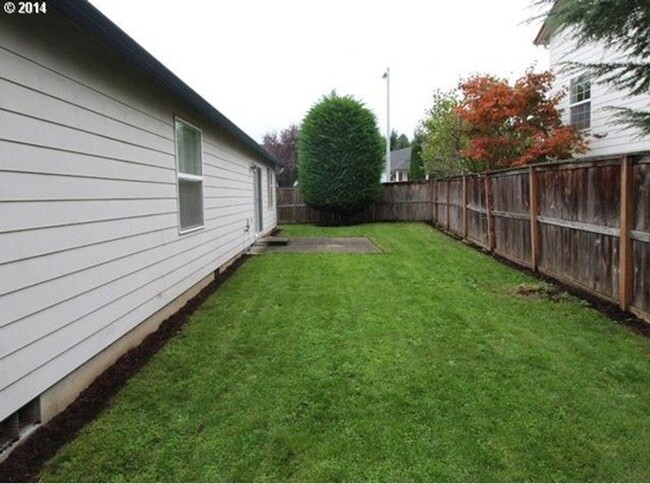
580	101
190	176
269	185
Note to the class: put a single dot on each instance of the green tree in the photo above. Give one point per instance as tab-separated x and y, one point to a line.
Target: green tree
444	138
340	155
416	169
623	26
398	141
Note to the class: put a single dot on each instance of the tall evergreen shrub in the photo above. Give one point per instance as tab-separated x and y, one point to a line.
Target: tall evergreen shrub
340	155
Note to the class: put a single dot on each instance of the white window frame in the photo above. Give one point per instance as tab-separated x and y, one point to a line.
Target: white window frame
580	103
180	176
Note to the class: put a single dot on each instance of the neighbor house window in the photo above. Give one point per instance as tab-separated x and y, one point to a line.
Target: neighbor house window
190	176
269	186
580	101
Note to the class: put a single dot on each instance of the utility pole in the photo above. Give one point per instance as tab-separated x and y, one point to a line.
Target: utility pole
386	175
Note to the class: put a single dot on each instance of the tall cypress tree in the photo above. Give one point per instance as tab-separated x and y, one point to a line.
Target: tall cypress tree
340	155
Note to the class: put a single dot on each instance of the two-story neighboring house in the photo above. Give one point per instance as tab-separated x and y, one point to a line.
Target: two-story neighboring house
588	102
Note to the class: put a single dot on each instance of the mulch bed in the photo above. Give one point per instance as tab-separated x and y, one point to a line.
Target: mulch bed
26	461
609	309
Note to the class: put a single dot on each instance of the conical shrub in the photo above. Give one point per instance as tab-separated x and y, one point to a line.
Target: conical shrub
340	156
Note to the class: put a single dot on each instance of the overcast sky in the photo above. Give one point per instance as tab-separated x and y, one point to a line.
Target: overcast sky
263	63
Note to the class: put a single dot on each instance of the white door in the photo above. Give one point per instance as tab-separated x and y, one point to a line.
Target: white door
257	199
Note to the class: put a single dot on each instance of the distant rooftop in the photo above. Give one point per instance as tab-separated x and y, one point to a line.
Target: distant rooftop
400	159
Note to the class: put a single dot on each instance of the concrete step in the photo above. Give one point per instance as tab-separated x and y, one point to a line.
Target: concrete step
271	240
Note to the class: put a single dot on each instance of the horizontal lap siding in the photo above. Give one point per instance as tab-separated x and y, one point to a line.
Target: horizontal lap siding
59	60
37	214
42	106
53	160
26	244
88	204
43	186
18	128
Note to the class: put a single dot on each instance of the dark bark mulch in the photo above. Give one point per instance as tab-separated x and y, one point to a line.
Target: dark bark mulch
26	461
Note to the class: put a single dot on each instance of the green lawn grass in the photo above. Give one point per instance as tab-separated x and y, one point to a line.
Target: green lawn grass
419	364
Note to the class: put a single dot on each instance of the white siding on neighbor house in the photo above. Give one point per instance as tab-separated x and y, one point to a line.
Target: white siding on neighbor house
611	138
89	229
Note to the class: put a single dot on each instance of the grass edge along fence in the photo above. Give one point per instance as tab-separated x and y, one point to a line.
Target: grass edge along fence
583	222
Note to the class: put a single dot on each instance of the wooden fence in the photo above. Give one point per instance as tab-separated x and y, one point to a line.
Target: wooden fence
584	223
404	201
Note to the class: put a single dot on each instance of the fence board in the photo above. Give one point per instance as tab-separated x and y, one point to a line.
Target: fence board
456	206
477	230
404	202
586	259
441	202
511	212
579	214
641	236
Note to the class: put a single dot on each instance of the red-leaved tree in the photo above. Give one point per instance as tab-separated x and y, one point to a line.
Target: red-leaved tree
285	148
511	125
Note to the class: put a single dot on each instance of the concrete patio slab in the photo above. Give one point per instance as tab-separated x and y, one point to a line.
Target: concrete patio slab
338	245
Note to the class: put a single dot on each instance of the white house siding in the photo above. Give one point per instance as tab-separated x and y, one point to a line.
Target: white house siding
611	138
89	234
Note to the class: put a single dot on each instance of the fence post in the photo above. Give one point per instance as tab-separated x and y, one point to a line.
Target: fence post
488	211
431	198
534	213
448	201
465	207
626	270
436	189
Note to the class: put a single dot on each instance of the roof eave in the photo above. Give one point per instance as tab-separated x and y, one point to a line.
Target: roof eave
89	18
545	32
544	35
